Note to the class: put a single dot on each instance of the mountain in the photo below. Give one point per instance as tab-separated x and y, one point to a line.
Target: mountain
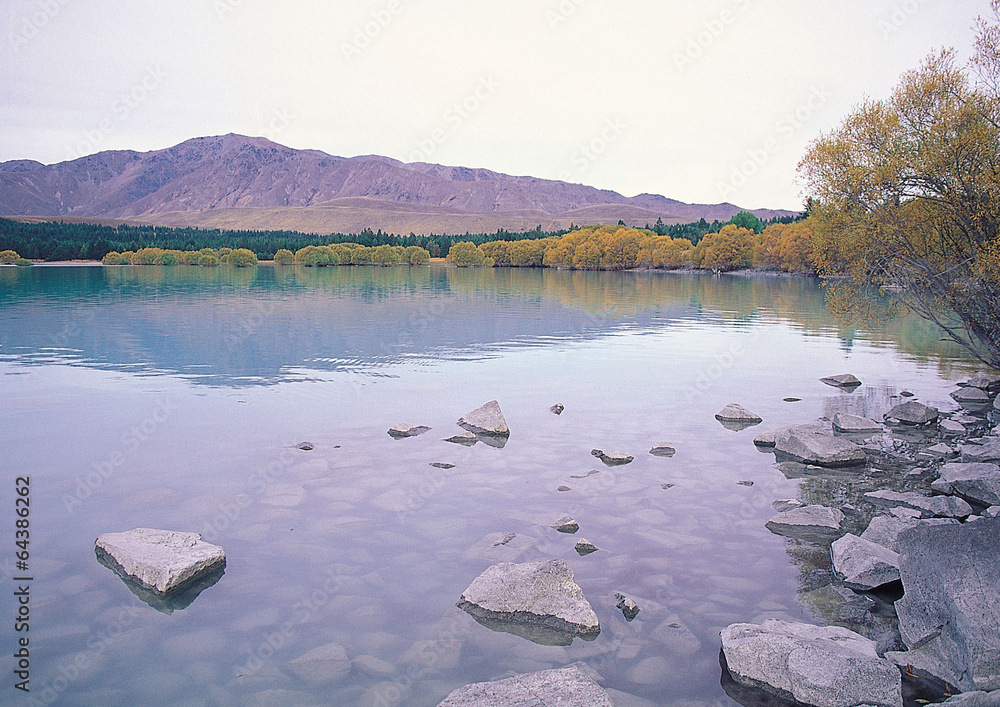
234	181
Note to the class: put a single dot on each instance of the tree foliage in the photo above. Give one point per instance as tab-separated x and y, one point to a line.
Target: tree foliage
908	197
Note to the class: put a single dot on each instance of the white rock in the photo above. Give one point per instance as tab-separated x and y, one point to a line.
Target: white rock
824	666
862	564
160	560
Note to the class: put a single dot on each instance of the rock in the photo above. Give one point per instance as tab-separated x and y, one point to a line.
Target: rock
824	666
627	606
949	616
787	504
557	409
466	439
324	665
736	417
744	483
885	530
976	481
975	699
566	524
952	428
992	512
663	449
855	424
941	506
161	561
907	394
862	564
612	458
305	446
567	687
442	465
374	667
486	420
988	452
531	595
585	547
971	396
791	400
912	413
808	444
845	380
940	451
985	381
667	486
807	523
402	431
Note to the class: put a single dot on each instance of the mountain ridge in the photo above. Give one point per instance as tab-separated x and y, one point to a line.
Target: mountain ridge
234	181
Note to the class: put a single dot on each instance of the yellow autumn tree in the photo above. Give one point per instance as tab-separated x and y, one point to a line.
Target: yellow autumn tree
908	193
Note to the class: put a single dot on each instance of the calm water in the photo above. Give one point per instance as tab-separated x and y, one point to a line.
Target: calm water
173	398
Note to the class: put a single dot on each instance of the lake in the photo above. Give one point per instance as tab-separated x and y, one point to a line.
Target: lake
175	397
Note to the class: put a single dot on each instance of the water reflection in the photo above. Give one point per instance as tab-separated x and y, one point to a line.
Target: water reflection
227	326
165	603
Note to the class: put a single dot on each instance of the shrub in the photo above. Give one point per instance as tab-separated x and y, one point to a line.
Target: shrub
284	257
22	262
415	255
7	257
467	255
242	258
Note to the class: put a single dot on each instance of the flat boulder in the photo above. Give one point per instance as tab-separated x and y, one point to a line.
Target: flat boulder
949	616
818	523
926	506
985	381
533	595
808	444
566	687
402	431
971	396
845	380
976	481
161	561
912	413
486	420
862	564
824	666
885	530
855	424
989	451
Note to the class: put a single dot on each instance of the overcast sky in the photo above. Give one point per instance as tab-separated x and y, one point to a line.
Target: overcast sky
702	101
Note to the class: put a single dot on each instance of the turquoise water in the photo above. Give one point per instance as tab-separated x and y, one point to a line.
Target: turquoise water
173	398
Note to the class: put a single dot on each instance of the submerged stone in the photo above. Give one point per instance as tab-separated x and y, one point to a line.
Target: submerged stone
402	431
627	606
585	547
566	687
855	424
566	524
663	449
466	439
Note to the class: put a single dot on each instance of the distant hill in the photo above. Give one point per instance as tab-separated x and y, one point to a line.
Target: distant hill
239	182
